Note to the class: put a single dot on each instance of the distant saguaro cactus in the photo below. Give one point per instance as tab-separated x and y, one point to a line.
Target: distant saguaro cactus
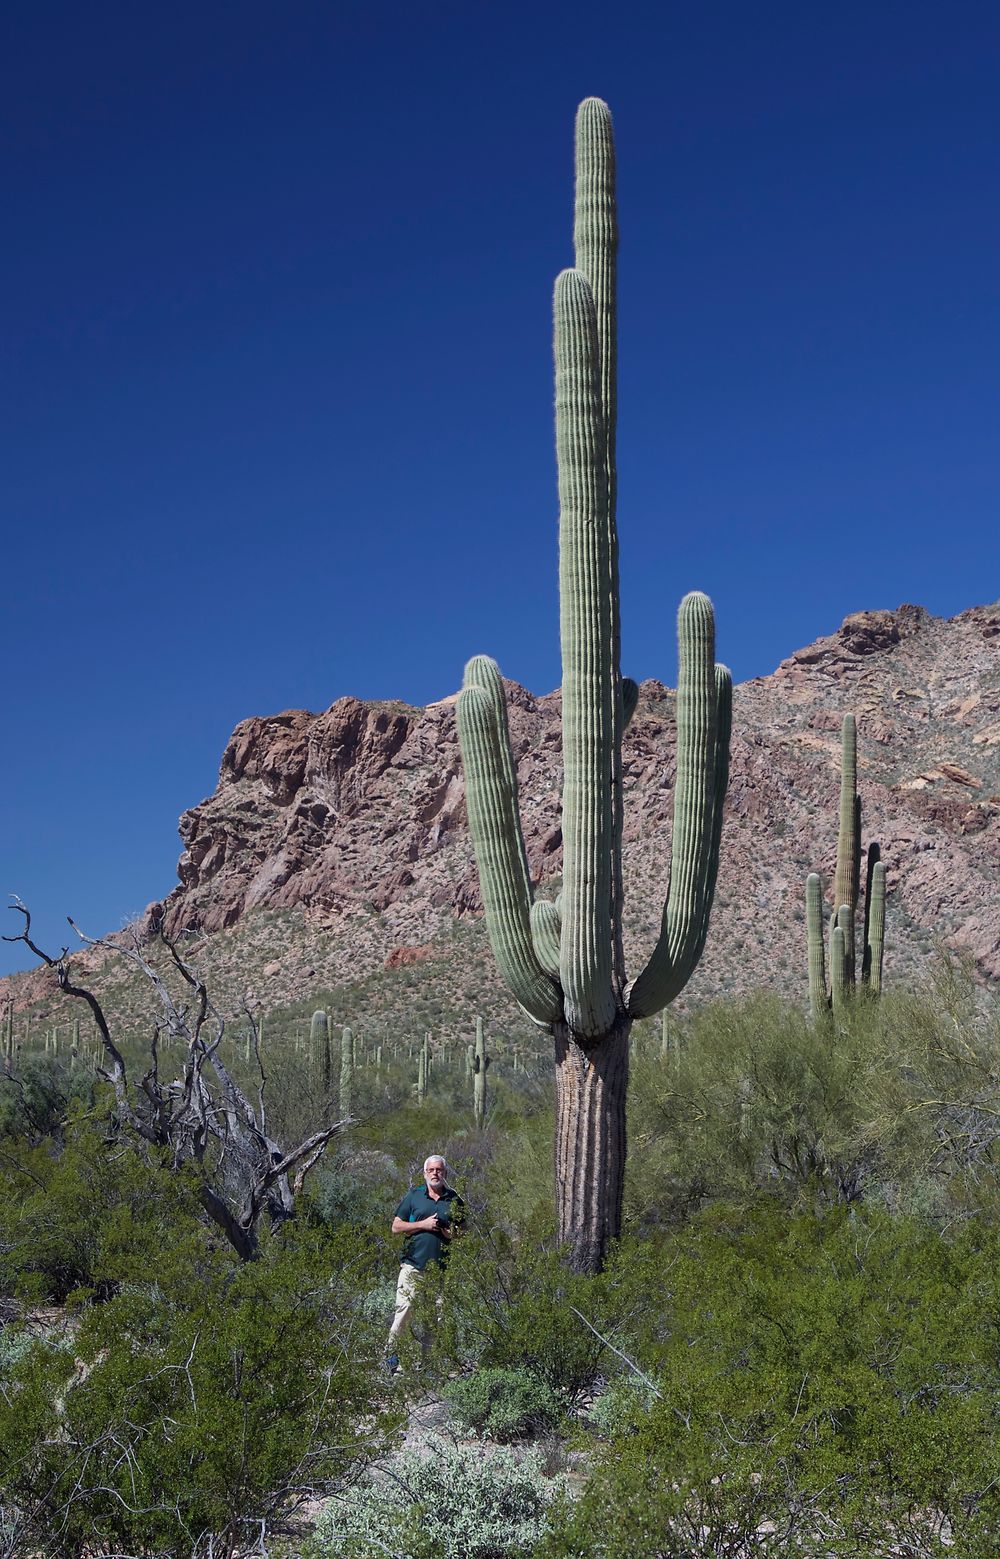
346	1072
319	1040
423	1069
846	893
564	961
480	1065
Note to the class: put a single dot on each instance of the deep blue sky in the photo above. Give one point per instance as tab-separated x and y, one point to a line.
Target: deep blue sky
276	394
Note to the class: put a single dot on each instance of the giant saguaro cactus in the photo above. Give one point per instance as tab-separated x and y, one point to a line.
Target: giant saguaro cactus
846	893
564	961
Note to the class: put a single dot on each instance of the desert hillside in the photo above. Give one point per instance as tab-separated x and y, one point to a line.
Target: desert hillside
335	844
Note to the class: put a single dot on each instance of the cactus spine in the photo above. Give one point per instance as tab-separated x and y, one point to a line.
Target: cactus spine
846	893
481	1062
564	962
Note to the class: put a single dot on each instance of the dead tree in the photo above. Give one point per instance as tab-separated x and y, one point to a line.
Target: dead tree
201	1117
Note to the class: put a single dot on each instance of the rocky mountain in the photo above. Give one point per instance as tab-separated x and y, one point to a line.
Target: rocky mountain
335	844
358	814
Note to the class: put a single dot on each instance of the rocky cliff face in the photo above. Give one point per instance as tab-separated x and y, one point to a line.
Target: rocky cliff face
356	817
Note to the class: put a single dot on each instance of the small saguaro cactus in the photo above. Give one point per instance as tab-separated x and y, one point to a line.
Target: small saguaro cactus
846	893
564	961
423	1069
480	1066
319	1042
346	1072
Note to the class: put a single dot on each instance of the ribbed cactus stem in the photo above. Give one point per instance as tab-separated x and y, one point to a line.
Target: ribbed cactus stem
818	1000
421	1074
847	879
595	241
875	946
495	826
479	1076
546	924
630	700
694	847
588	689
838	967
319	1042
346	1072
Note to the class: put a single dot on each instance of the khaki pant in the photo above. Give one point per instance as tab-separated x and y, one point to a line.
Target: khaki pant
407	1285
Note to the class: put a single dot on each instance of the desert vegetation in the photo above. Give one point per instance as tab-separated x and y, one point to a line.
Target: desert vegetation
763	1320
792	1343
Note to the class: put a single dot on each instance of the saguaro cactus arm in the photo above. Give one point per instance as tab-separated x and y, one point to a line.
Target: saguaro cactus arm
847	878
588	690
875	941
818	1000
495	826
546	922
724	726
695	835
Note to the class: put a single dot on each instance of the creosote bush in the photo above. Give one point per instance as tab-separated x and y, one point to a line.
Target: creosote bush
196	1399
823	1384
896	1104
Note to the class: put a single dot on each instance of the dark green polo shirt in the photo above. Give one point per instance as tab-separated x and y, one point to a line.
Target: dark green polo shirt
424	1247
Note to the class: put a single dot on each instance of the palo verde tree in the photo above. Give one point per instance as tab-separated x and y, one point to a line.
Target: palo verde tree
564	961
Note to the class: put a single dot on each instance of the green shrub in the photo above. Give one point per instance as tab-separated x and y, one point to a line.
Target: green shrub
833	1377
896	1106
504	1404
35	1100
458	1503
622	1408
515	1307
200	1398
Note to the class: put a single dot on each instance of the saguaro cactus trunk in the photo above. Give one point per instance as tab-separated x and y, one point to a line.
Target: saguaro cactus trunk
564	961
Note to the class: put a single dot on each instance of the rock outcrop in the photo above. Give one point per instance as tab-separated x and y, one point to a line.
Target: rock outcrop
356	816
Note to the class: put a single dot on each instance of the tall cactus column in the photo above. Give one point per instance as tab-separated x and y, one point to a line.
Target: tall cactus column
564	961
846	895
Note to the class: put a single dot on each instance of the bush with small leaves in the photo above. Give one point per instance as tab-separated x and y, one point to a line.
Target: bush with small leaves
461	1502
504	1404
201	1397
827	1384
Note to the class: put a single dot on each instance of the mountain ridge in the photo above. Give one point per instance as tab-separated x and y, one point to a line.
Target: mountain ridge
353	818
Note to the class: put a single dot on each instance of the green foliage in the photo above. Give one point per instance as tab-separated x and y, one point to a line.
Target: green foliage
504	1404
199	1398
514	1307
36	1098
900	1110
65	1219
834	1376
460	1503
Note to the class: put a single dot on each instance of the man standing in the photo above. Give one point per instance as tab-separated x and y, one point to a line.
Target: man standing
428	1215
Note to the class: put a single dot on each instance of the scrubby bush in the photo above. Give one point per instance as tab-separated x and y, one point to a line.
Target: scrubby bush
459	1503
37	1095
828	1385
895	1104
504	1404
202	1397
